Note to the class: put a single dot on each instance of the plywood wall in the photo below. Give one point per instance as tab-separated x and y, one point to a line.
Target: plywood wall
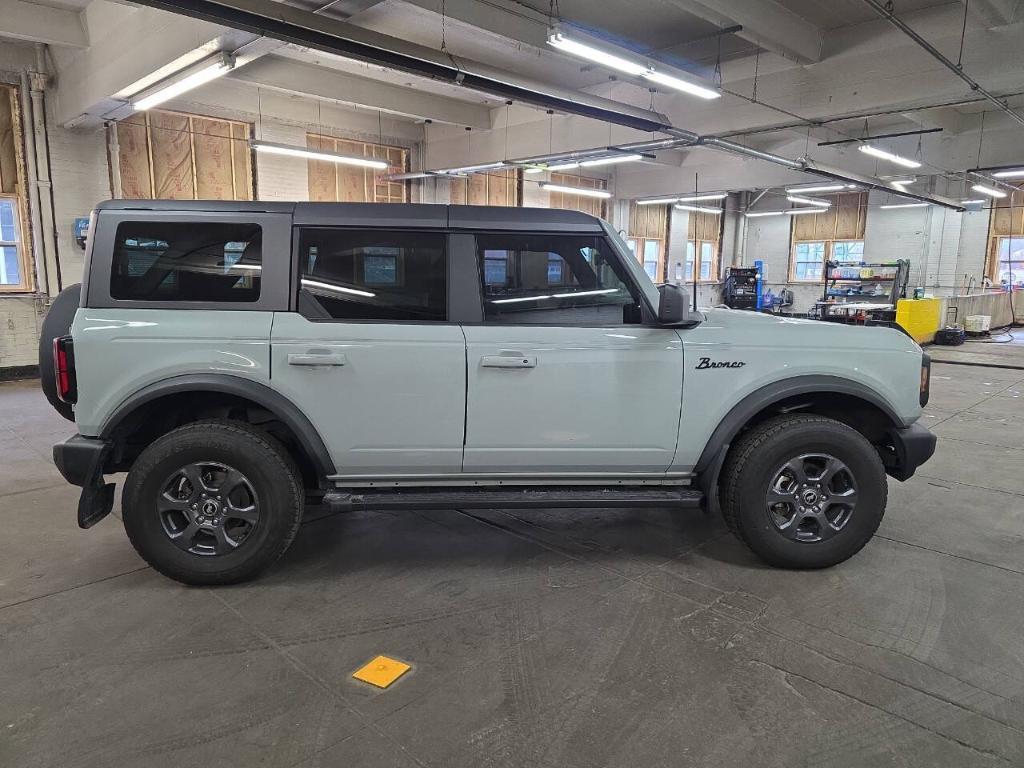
595	206
9	142
174	156
648	221
339	183
845	220
491	188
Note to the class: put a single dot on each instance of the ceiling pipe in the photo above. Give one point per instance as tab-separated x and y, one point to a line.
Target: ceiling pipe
891	17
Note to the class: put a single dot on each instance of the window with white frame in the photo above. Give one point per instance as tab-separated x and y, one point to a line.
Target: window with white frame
1010	261
12	267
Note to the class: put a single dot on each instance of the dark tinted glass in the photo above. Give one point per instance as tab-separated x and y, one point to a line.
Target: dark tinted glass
375	275
545	278
186	261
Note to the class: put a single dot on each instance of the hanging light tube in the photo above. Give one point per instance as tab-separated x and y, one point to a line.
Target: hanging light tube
1017	173
755	214
272	148
204	73
474	168
659	201
821	188
604	194
611	160
809	201
874	151
890	206
702	198
801	211
699	209
991	192
558	40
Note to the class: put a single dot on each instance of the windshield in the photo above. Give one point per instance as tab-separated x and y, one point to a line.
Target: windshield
627	258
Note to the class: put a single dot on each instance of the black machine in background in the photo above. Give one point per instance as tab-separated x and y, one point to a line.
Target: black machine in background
741	288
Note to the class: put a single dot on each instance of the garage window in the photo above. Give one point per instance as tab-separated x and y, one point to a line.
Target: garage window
1010	266
186	261
832	234
374	275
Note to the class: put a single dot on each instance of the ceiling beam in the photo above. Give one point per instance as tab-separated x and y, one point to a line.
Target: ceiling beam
288	76
767	23
41	24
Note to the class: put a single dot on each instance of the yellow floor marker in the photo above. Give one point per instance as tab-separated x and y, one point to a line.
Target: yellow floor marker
381	671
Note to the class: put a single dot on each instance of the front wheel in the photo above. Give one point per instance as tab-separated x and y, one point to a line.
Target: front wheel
212	502
803	491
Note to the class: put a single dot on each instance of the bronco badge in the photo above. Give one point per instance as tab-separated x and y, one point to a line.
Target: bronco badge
705	363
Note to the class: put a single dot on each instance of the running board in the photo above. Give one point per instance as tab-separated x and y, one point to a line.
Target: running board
583	497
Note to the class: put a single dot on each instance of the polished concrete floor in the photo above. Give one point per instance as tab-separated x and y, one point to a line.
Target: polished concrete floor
537	639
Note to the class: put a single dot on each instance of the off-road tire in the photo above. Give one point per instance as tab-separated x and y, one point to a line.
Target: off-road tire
750	469
259	457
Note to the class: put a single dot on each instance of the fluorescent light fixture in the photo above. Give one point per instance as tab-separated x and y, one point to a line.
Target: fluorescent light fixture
755	214
988	191
679	84
868	149
611	160
702	198
253	267
475	168
563	166
575	190
630	67
596	55
903	205
574	294
809	201
902	182
658	201
972	202
801	211
518	299
336	288
699	209
822	188
534	170
288	150
1014	174
210	70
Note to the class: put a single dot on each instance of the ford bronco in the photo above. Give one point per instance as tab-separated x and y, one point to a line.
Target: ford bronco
240	360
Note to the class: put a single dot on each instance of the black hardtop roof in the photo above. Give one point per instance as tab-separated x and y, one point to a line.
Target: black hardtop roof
414	215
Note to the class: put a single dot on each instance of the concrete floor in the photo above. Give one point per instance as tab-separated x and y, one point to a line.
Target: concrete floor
537	639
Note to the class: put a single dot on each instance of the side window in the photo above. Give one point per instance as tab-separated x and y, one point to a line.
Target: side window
553	279
375	274
186	261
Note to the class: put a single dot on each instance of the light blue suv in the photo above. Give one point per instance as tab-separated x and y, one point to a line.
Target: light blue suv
241	359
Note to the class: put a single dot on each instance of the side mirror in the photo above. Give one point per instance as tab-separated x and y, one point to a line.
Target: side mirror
674	306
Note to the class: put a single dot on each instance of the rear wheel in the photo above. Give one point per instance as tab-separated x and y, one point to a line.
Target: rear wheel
212	503
803	491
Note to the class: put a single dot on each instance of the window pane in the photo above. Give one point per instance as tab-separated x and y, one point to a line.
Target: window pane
8	222
186	261
707	256
652	250
10	269
1011	261
379	275
848	251
553	279
631	242
808	261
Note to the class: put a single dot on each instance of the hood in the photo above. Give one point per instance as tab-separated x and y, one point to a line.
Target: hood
780	331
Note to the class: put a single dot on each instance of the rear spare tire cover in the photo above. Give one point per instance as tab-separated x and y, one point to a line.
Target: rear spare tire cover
57	323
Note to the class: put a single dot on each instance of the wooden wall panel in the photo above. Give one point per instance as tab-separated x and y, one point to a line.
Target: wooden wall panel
241	162
649	221
211	141
133	158
171	147
335	182
595	206
458	191
8	143
478	189
321	174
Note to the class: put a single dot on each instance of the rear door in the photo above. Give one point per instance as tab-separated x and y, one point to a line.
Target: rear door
563	380
370	355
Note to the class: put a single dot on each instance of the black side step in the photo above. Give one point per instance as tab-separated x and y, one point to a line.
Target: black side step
582	497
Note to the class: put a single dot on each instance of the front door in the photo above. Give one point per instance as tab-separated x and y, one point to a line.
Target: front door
562	380
370	357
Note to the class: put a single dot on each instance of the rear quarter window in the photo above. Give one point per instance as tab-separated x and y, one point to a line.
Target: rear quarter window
187	261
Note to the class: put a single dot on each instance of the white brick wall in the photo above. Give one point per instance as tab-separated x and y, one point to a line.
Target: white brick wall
20	320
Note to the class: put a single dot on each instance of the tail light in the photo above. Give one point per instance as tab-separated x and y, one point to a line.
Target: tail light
64	369
926	379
